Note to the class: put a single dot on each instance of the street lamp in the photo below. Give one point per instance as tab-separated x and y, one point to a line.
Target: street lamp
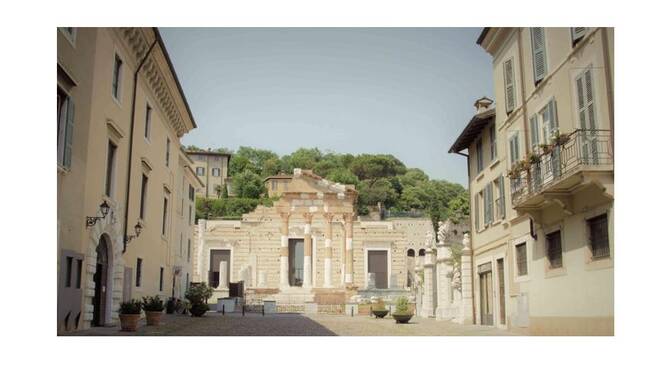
138	230
105	209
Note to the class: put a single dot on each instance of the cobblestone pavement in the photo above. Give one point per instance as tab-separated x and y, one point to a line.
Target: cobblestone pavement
290	324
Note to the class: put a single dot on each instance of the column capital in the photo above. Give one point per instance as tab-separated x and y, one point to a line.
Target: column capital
308	216
328	216
285	215
348	217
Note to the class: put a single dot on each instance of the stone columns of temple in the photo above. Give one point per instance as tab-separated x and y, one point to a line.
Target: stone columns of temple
467	304
284	251
327	269
342	251
348	223
307	261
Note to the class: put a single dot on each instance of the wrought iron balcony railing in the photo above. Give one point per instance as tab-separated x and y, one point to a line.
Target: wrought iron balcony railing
583	149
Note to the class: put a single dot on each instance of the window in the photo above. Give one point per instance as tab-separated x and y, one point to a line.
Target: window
578	33
199	171
509	89
138	273
190	218
167	153
143	196
110	169
65	111
480	156
598	237
69	33
549	122
188	254
79	263
521	259
493	142
187	281
539	62
160	282
585	96
69	271
147	122
116	77
191	193
499	203
164	228
476	212
514	148
534	132
215	171
553	249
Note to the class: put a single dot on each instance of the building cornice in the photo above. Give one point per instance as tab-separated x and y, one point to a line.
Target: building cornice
160	77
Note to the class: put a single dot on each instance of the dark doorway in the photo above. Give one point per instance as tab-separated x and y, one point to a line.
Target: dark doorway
217	256
100	282
377	264
500	282
486	293
296	261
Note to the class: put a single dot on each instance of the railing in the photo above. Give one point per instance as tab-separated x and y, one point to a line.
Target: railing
583	147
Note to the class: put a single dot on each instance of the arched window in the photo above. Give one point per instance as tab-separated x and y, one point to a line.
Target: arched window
422	252
411	253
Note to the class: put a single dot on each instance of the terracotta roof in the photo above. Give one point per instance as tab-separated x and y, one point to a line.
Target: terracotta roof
279	176
473	129
482	35
208	153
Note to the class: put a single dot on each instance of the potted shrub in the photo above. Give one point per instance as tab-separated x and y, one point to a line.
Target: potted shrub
547	148
170	307
402	313
197	295
153	308
129	315
378	309
560	139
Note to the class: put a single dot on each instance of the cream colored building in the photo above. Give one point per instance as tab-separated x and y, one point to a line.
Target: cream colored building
115	134
543	237
277	184
212	169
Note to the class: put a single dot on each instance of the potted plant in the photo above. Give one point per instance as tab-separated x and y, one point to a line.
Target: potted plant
129	315
198	294
547	148
560	139
534	158
170	307
402	313
153	308
378	309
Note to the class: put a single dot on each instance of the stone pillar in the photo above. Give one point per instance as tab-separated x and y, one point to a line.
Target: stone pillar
428	298
222	284
443	272
342	252
348	223
467	303
307	260
284	251
327	266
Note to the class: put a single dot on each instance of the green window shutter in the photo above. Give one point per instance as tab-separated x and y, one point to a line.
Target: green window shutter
509	90
554	122
538	53
68	134
534	130
476	212
502	203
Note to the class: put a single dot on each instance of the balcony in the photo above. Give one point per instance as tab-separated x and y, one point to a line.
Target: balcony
585	160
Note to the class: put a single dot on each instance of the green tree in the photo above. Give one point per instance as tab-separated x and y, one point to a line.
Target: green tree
303	158
413	177
459	208
372	167
342	175
248	184
255	160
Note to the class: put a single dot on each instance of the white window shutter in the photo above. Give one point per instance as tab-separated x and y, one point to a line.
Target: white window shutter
577	33
510	92
554	123
502	203
68	137
476	211
538	53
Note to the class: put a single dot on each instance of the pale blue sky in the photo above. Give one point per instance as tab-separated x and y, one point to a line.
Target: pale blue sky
404	91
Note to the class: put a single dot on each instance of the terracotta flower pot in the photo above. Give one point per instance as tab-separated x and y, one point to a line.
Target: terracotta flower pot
153	317
129	322
402	318
380	313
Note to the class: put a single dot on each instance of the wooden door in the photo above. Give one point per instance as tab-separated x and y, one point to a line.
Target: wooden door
377	264
486	294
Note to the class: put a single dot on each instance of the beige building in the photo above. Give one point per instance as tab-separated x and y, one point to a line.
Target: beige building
541	181
277	184
120	173
211	168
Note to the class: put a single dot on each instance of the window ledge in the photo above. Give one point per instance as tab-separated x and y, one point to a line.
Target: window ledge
479	176
62	170
599	264
494	163
555	272
525	278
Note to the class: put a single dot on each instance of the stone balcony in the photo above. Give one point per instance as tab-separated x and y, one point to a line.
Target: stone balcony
577	173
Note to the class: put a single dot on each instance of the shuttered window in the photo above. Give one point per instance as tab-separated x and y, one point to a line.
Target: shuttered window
509	88
502	205
143	196
585	95
165	216
539	57
476	212
493	142
553	249
147	122
65	114
480	156
534	131
110	169
488	203
577	33
599	237
138	273
116	77
514	148
167	152
521	259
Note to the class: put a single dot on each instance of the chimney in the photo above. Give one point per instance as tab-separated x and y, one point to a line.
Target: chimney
482	104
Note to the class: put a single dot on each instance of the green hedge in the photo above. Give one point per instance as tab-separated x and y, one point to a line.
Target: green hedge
228	208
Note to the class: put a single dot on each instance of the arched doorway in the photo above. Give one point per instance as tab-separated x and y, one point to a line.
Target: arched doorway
100	281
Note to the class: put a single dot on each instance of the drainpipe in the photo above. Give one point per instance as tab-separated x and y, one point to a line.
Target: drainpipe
130	142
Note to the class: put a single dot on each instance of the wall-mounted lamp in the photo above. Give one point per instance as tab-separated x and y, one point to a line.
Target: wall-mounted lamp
105	208
138	230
